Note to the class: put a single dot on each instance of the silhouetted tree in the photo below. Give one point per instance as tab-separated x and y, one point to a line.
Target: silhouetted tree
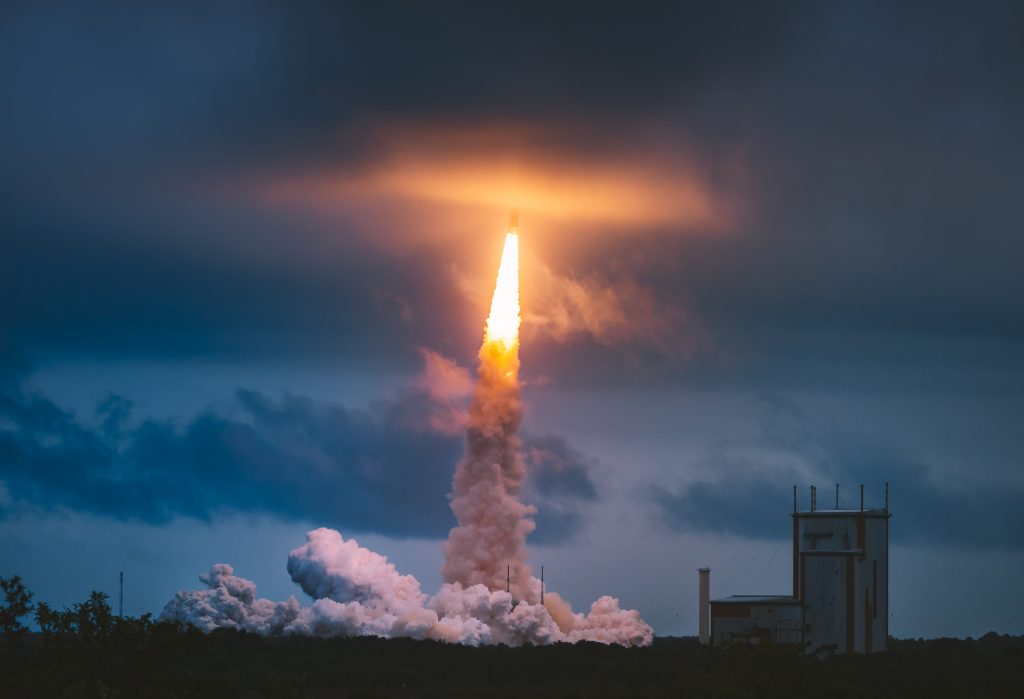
17	603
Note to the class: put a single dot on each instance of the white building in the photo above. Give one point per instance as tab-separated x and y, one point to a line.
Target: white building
840	593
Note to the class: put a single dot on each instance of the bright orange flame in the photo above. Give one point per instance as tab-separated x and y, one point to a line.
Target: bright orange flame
503	322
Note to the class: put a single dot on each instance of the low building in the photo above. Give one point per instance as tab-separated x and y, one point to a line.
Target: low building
754	619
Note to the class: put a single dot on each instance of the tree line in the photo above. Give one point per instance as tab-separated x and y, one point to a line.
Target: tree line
87	651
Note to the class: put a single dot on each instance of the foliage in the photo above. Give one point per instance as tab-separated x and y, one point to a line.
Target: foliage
17	603
86	651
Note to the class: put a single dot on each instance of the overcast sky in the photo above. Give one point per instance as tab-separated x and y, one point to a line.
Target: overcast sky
246	253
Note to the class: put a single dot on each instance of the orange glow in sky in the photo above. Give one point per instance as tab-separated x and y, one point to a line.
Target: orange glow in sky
547	175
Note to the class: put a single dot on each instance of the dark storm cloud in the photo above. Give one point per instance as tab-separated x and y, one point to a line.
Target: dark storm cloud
267	79
745	497
384	469
888	143
109	291
559	484
556	468
879	144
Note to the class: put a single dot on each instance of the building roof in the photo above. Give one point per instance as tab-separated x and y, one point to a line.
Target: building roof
757	599
832	552
873	512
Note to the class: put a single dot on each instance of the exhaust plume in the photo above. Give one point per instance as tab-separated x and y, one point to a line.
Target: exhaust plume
490	542
359	592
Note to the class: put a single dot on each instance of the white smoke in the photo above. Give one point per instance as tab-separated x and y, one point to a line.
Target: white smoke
359	593
230	602
328	567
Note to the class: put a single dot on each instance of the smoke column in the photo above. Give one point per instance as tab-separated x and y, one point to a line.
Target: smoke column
359	592
493	524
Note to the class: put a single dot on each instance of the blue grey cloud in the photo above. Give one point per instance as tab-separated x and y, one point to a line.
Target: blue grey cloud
381	469
290	457
739	496
560	484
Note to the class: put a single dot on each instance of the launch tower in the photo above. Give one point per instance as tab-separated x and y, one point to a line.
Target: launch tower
840	593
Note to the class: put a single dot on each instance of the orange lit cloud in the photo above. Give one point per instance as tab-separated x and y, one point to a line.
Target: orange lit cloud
558	174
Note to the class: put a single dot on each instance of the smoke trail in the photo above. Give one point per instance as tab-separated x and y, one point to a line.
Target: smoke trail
490	541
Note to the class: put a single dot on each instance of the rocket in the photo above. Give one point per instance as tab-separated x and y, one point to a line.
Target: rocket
513	221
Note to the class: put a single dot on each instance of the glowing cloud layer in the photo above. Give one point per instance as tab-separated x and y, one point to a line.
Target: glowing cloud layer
554	172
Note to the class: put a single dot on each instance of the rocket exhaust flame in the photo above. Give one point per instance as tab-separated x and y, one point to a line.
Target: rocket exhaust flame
503	321
488	595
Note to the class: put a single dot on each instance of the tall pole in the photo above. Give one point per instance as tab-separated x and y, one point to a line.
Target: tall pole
542	586
120	595
704	602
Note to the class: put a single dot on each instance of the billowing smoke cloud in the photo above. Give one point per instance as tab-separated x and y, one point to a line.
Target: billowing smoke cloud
327	566
230	602
488	594
358	592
